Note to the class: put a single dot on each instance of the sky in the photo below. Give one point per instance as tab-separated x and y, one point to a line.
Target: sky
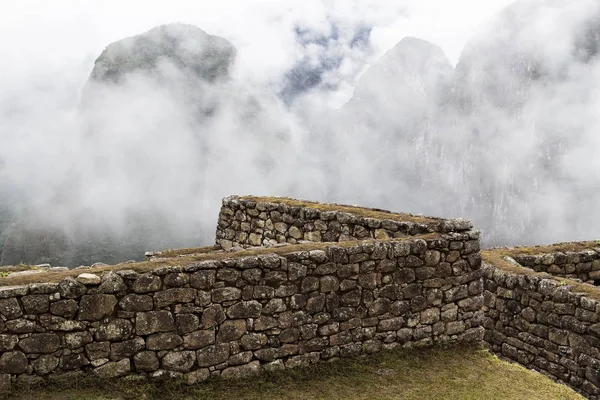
148	156
38	37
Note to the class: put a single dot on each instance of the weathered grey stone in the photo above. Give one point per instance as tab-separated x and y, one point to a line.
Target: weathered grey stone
264	323
212	316
179	361
96	306
231	330
430	316
42	288
295	233
10	308
178	279
213	355
13	362
116	330
186	323
73	361
97	350
273	306
45	364
40	343
112	283
35	304
64	308
113	369
153	321
13	291
146	283
379	307
329	284
89	279
253	341
77	339
163	341
242	371
21	325
226	294
173	296
126	349
263	292
69	288
199	339
146	361
8	342
197	376
252	275
136	302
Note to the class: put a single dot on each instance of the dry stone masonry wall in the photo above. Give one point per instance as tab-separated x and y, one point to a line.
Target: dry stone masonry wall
272	295
546	324
581	265
250	221
242	312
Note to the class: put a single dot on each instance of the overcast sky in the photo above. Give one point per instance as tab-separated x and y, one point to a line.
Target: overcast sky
67	35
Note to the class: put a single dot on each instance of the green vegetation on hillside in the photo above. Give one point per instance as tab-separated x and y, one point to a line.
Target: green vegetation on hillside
454	373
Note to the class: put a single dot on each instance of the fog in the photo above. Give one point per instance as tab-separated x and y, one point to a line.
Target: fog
491	114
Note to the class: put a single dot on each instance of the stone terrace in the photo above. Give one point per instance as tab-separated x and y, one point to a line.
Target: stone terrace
539	313
389	280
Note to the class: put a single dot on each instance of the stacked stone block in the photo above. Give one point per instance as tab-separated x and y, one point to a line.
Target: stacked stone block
243	222
545	324
581	265
235	315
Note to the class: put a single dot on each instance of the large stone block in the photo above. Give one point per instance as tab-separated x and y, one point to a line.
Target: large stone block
10	308
40	343
35	304
126	349
113	369
153	321
199	339
213	355
136	302
146	361
13	362
96	307
118	329
231	330
174	296
163	341
179	361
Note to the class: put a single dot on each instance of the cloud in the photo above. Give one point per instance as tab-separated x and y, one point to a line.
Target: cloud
149	158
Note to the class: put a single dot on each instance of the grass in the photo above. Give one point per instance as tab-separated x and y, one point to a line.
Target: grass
360	211
190	257
185	252
456	373
554	248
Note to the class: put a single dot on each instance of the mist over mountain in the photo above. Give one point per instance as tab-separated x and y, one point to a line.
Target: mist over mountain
170	121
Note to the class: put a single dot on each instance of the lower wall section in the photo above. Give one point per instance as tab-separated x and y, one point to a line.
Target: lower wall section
233	316
540	323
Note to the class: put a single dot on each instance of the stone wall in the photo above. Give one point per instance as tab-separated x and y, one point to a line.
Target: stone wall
242	311
546	324
583	265
251	221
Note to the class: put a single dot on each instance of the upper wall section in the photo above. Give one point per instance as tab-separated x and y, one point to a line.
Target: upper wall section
267	221
579	261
